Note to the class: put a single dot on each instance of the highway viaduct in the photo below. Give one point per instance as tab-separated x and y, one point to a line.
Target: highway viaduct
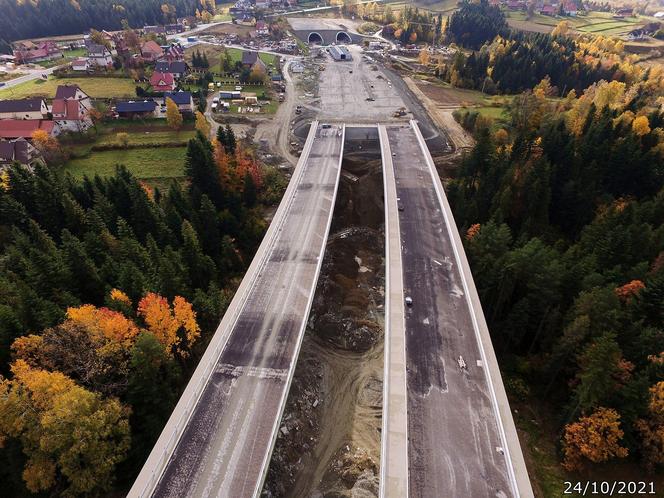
219	438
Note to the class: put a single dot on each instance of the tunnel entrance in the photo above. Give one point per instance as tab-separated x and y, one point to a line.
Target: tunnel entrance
343	37
315	38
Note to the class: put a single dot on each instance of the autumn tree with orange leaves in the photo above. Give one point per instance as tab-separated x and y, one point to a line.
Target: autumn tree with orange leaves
595	438
175	327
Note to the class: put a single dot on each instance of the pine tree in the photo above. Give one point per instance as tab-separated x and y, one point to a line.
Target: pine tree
231	143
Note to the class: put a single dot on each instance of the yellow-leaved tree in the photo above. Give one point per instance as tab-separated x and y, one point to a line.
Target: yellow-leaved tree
173	114
641	125
202	124
64	430
595	438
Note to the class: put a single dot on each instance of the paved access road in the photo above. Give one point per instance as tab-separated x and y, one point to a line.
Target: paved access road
226	445
454	444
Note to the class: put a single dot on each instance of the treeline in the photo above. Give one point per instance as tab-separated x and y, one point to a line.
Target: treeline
475	23
511	61
105	287
42	18
563	213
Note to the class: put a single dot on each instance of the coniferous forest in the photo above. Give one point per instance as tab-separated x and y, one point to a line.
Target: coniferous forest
563	216
65	17
109	293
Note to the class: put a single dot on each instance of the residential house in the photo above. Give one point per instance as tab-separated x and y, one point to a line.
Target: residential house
162	82
250	58
34	108
151	51
27	52
548	10
177	68
136	109
570	8
174	53
71	115
262	28
68	92
184	101
82	64
18	151
24	128
99	55
625	12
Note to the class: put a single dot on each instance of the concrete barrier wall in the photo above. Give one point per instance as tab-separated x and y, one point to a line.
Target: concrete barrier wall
394	441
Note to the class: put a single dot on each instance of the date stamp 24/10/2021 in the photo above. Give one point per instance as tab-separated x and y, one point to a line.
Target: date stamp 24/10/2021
609	488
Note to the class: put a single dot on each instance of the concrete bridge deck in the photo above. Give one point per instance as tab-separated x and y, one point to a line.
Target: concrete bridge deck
219	439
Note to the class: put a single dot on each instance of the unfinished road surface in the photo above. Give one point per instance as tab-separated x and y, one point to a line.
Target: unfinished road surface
454	438
224	447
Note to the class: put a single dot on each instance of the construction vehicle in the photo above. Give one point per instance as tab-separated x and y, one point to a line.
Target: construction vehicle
400	112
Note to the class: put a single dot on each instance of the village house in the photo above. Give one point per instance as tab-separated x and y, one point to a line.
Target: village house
548	10
250	58
34	108
71	115
174	53
183	100
99	55
24	128
27	52
262	28
69	92
177	68
81	64
162	82
136	109
151	51
18	151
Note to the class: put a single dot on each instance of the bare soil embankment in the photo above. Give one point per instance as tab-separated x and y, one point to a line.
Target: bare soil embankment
329	440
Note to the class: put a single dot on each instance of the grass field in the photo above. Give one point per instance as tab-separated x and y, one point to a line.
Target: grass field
95	87
151	164
594	22
156	165
437	6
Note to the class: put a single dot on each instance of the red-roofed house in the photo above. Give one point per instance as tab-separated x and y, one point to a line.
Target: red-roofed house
162	82
151	51
548	10
24	128
570	8
262	29
71	115
27	52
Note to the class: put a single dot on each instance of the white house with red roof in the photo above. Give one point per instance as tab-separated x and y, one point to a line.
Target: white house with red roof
71	115
71	108
162	82
262	28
